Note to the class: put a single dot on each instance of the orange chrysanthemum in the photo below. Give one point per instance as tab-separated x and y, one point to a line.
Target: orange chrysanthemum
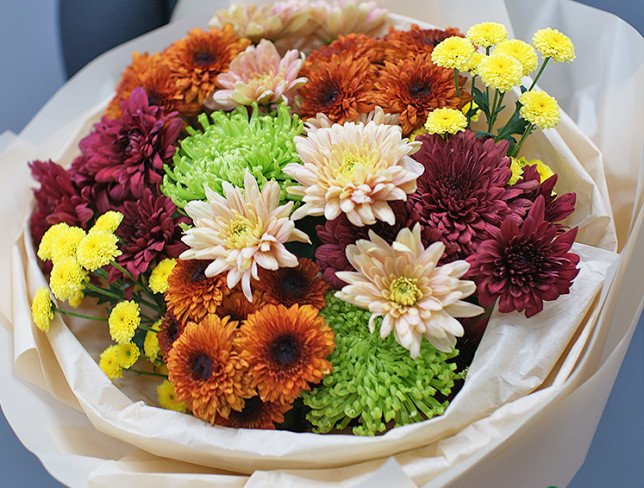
340	88
256	415
170	330
149	73
288	286
413	87
286	349
356	45
399	44
237	307
207	371
195	62
191	295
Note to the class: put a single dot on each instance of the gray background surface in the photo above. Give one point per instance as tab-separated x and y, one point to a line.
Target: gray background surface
32	70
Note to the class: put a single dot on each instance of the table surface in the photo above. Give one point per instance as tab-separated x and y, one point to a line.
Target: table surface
31	29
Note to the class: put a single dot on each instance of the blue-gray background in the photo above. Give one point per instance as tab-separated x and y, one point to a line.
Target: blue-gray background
34	67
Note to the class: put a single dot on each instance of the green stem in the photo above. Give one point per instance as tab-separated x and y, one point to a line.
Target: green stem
456	82
153	306
124	271
96	289
490	121
148	373
543	66
525	135
80	315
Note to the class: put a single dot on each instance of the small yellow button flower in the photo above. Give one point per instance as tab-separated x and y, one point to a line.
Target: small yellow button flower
453	53
76	300
539	109
109	221
472	105
127	354
521	51
475	60
445	121
151	343
46	247
500	71
168	399
109	363
518	164
124	319
159	276
97	249
554	44
42	309
67	278
67	242
487	34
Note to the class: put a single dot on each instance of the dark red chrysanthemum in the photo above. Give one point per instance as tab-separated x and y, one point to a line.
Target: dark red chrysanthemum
149	231
337	234
557	208
462	194
399	44
523	265
130	151
57	199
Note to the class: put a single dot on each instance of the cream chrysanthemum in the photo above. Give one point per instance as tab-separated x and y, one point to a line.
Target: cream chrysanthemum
377	115
354	168
259	74
109	221
487	34
554	44
446	121
454	53
521	51
341	17
159	276
403	283
500	71
97	249
540	109
240	231
42	309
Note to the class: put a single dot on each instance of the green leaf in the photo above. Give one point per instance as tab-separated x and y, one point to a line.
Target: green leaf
481	100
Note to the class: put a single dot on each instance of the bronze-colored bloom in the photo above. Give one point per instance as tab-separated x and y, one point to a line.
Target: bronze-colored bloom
356	45
399	44
286	349
169	332
413	87
256	415
195	62
339	88
287	286
237	307
207	371
191	295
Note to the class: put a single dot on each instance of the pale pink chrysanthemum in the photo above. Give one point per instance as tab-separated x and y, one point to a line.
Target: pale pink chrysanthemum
259	74
342	17
353	168
377	115
403	284
241	231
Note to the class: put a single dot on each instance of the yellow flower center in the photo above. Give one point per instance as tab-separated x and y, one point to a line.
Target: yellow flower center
405	291
349	163
239	233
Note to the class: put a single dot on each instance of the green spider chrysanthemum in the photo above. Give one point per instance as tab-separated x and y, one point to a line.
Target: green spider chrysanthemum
229	144
375	384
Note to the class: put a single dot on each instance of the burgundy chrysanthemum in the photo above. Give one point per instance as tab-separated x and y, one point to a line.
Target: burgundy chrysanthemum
525	264
57	199
149	231
130	151
337	234
462	194
99	196
557	208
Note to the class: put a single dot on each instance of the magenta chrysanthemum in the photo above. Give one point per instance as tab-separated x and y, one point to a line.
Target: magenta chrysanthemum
149	231
462	193
57	199
524	265
336	235
130	151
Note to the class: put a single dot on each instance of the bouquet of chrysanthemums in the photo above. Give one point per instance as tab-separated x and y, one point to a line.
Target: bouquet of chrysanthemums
302	217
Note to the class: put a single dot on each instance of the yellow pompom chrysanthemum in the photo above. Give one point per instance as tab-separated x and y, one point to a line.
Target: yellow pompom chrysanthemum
521	51
168	399
159	276
109	363
124	319
151	343
487	34
445	121
66	243
518	164
554	44
500	71
76	300
540	109
67	278
42	309
127	354
454	53
472	105
46	247
475	60
109	221
97	249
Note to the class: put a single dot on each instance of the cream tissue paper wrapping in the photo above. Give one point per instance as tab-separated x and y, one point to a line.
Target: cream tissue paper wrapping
529	377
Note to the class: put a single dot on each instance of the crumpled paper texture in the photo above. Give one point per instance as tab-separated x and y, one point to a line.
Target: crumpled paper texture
550	358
